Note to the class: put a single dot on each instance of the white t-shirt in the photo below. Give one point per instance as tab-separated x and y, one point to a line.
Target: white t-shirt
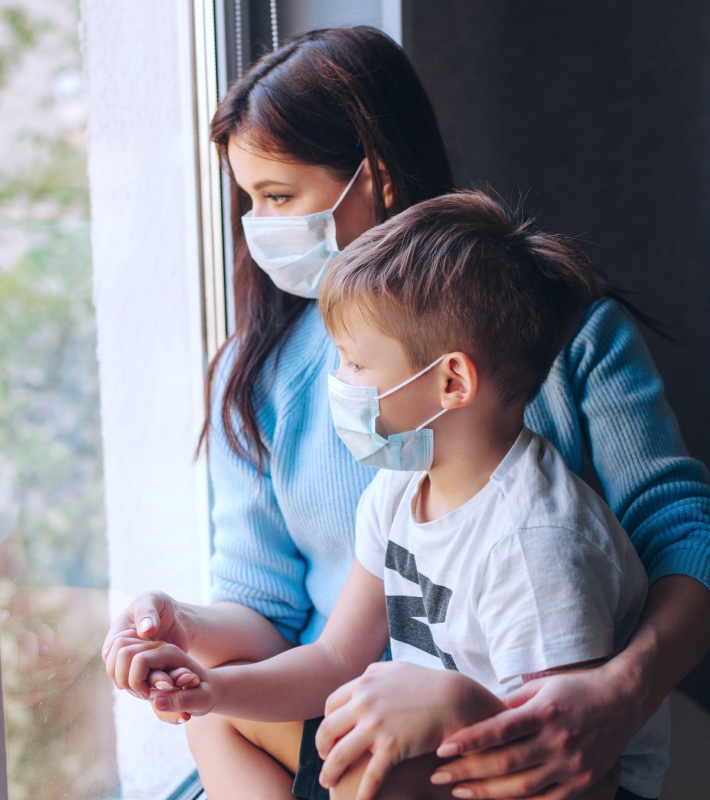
533	572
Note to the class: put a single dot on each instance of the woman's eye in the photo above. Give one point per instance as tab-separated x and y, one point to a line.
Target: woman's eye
279	199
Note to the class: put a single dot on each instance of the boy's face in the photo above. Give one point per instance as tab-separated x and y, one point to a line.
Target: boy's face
369	358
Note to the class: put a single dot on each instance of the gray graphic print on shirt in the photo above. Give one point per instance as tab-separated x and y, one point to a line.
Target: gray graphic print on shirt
403	611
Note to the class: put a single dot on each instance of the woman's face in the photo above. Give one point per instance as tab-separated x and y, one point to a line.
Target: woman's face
286	188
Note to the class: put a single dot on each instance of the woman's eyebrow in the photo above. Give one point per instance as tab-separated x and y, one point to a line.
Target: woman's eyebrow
268	182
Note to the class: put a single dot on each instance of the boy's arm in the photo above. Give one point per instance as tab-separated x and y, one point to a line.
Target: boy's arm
290	686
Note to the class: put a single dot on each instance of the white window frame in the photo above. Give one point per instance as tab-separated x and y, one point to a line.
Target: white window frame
149	254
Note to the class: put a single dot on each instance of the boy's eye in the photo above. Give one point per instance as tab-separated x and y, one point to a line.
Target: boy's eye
279	199
354	367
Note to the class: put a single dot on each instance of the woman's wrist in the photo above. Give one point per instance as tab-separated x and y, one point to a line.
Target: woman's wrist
187	616
672	636
638	672
632	678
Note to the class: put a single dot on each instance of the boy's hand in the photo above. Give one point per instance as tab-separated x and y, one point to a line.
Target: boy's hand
143	667
395	711
161	682
181	678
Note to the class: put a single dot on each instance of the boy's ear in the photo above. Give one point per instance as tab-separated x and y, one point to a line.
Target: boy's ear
461	386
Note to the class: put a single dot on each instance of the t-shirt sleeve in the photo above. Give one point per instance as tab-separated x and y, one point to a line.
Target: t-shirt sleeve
375	513
546	601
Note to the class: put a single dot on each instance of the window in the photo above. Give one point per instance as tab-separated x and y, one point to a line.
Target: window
53	556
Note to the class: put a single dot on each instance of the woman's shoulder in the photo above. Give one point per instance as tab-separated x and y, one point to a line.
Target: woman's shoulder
606	314
605	336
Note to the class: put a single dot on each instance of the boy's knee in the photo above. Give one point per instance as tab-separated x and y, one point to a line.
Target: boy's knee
347	786
409	780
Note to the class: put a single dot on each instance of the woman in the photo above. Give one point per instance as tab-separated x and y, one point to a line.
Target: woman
324	138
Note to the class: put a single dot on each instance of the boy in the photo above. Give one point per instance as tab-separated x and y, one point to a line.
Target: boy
477	551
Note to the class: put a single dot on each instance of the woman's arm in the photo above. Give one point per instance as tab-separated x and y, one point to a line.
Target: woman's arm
570	729
212	634
291	686
255	561
671	639
659	494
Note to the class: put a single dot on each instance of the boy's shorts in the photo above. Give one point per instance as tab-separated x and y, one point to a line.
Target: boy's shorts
306	786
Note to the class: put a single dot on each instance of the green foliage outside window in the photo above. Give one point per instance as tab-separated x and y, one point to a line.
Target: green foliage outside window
53	559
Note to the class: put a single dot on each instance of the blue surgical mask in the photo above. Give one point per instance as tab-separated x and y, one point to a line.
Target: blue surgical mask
355	409
295	251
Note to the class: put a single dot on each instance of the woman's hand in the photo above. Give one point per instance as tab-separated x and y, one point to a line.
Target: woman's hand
152	615
567	730
570	729
189	688
395	711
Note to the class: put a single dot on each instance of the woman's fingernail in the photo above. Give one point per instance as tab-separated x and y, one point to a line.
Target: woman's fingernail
462	792
104	654
162	703
164	686
448	750
180	720
442	777
145	625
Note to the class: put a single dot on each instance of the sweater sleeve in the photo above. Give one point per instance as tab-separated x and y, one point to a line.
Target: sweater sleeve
255	561
654	488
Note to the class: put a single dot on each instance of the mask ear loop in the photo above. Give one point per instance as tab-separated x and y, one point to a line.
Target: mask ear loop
413	378
347	188
436	416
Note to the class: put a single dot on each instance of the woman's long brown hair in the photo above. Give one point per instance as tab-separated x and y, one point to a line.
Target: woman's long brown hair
329	98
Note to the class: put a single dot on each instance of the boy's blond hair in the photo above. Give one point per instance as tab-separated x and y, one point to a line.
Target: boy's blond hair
464	272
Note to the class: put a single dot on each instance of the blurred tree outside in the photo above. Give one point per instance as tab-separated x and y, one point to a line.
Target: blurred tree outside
53	559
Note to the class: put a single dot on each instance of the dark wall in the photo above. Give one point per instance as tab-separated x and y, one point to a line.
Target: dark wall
601	111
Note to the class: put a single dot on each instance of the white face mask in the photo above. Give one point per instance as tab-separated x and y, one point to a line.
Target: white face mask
295	251
355	409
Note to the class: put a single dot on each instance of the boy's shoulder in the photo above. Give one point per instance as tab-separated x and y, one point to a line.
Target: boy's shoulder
541	492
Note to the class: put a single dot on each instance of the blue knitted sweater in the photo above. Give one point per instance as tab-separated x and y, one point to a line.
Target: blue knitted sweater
284	542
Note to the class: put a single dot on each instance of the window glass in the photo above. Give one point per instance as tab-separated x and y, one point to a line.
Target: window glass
53	559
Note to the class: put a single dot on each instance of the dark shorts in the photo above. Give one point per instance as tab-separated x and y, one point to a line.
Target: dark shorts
305	784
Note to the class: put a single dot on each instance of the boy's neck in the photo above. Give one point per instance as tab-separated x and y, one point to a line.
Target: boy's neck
469	444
